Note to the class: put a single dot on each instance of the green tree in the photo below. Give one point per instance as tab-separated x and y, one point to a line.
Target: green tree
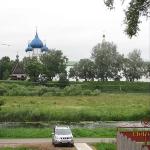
133	66
86	69
135	10
33	68
63	79
73	72
108	61
147	69
54	63
5	67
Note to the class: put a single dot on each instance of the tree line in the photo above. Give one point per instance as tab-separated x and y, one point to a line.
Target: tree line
106	63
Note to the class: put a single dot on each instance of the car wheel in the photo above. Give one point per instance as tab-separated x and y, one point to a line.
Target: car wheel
71	145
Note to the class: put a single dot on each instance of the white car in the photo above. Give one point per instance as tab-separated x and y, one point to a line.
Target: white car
62	135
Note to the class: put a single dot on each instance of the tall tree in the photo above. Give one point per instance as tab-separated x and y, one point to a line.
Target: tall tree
147	69
135	10
54	63
74	72
5	67
33	68
133	66
86	69
107	60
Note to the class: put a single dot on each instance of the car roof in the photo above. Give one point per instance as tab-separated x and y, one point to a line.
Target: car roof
62	127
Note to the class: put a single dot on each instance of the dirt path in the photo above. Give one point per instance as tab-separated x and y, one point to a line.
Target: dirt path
45	143
82	146
41	146
48	140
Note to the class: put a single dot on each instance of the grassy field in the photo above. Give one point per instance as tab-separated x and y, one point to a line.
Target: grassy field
46	132
25	88
104	146
105	107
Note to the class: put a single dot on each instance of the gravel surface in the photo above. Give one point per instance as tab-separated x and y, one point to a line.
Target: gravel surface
45	146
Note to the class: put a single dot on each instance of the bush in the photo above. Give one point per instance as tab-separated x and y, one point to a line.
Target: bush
96	92
73	90
53	91
2	91
42	91
22	91
2	102
87	92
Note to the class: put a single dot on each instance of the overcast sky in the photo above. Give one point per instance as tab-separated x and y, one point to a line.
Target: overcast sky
73	26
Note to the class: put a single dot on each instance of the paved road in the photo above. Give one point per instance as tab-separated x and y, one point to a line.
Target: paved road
82	146
48	140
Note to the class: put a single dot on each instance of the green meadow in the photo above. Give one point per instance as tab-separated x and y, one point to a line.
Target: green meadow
46	132
105	146
104	107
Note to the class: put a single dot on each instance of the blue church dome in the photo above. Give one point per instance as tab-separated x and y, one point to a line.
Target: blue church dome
29	48
44	48
36	42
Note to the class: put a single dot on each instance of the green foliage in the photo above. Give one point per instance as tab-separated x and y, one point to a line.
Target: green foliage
105	146
114	107
73	90
147	69
96	132
79	88
108	62
73	72
63	79
3	90
42	90
54	63
85	69
2	102
133	66
33	68
30	132
5	67
135	10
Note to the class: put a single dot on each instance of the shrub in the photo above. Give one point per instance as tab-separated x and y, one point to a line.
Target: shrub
2	91
42	90
73	90
22	91
96	92
87	92
2	102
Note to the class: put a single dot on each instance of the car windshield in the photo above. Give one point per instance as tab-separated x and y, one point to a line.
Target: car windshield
62	131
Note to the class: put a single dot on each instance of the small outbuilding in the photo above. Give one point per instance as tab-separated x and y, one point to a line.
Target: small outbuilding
18	72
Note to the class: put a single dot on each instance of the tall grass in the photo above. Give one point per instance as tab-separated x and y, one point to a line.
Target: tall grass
79	88
105	146
22	132
113	107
